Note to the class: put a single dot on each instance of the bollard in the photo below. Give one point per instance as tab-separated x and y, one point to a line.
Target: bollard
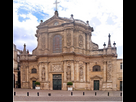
108	93
83	93
27	93
37	93
14	93
71	93
95	93
49	94
121	94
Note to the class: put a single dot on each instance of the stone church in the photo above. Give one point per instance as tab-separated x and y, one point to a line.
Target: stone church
66	53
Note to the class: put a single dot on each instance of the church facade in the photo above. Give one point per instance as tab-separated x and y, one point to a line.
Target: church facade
66	53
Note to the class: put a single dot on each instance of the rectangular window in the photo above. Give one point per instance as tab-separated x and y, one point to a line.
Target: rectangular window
57	44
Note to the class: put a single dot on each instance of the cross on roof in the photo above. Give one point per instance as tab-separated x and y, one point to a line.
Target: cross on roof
56	4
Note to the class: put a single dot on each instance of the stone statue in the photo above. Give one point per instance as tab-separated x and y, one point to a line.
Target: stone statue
81	74
68	73
43	74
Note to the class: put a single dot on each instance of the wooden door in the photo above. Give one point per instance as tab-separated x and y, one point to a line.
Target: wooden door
57	82
96	84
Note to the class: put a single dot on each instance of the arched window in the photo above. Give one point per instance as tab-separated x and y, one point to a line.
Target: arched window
57	44
96	68
33	70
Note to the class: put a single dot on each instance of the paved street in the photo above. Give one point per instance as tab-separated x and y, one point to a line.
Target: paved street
21	95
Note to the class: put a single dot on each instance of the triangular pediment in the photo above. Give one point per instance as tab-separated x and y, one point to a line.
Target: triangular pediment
55	20
96	77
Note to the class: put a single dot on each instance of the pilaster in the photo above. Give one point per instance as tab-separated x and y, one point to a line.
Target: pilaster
72	40
77	71
104	71
88	65
84	72
72	70
65	71
47	68
40	67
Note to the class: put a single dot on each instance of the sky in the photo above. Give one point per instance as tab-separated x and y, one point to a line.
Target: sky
105	16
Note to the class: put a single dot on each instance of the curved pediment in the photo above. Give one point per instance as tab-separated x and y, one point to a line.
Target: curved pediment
34	78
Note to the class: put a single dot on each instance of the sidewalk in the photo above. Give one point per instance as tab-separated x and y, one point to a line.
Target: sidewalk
56	93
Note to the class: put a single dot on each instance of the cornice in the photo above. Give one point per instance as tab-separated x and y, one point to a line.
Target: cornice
66	26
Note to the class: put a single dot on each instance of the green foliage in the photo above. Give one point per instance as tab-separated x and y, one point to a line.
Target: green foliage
37	83
69	83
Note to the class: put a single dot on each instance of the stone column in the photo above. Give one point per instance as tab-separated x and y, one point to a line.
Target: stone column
64	41
72	70
77	71
40	67
46	66
65	38
65	71
46	41
84	72
72	42
27	73
104	71
109	71
88	42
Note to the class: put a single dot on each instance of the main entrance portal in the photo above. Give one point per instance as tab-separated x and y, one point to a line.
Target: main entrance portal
57	82
96	84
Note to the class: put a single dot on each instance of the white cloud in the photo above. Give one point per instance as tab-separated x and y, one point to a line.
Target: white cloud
81	9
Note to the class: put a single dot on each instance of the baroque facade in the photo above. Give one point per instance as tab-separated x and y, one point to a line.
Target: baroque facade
65	52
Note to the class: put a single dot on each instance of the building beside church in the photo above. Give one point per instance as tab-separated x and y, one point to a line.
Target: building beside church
65	52
16	67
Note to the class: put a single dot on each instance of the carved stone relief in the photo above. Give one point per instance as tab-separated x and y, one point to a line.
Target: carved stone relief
109	71
81	74
80	41
81	71
56	67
